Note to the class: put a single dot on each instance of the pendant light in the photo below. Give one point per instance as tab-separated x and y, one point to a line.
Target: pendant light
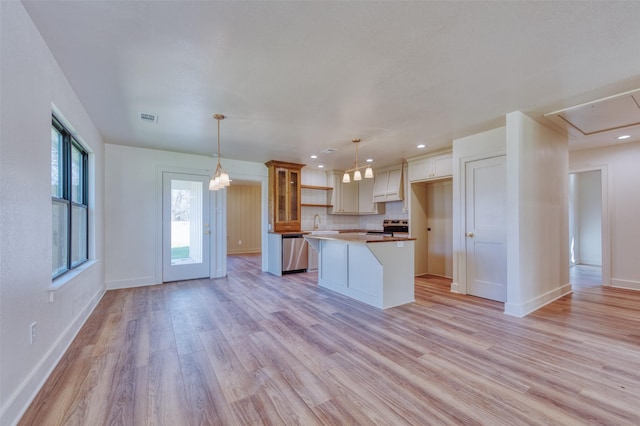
368	172
220	178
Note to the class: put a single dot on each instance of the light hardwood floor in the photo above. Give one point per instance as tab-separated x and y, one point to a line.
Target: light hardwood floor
253	348
585	275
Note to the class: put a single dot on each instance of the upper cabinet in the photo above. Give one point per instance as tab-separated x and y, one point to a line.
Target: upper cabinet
354	198
284	196
432	167
388	185
365	198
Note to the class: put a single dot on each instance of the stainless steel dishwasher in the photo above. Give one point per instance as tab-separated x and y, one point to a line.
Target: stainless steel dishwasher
294	253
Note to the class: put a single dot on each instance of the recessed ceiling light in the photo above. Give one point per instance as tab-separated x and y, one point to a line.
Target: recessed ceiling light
420	146
321	166
624	137
314	156
369	160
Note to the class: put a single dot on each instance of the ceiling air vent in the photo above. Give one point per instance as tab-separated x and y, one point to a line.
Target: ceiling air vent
328	151
148	118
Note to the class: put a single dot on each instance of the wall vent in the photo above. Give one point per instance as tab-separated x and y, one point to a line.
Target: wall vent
149	118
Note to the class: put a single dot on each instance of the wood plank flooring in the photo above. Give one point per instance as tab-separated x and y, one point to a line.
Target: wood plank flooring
253	349
585	275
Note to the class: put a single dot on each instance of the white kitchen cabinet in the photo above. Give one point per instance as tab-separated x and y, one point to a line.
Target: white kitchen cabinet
349	197
407	187
388	185
353	198
432	167
380	184
345	196
365	198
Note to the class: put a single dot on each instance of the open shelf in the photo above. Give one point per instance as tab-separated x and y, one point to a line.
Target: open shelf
322	188
315	205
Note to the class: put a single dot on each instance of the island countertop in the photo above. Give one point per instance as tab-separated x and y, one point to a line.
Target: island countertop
359	237
372	268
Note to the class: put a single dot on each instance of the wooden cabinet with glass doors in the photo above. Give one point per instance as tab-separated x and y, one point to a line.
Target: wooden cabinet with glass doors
284	196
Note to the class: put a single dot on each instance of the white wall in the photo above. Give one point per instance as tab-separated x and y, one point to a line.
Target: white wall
31	82
482	145
621	183
133	200
537	215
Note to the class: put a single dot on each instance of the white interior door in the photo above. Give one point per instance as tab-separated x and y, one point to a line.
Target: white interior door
486	254
185	227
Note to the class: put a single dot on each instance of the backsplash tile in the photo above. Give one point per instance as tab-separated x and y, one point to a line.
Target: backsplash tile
339	222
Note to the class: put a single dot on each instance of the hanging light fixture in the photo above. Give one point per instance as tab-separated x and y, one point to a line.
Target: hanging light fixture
220	178
368	172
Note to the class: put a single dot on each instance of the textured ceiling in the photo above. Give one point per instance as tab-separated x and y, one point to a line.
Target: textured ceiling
294	78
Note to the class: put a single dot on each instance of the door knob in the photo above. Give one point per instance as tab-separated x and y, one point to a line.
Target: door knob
469	234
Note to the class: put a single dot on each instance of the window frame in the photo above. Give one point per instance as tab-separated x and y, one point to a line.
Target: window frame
65	177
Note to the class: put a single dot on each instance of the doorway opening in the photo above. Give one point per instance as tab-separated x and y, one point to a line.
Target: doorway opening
432	226
244	218
585	228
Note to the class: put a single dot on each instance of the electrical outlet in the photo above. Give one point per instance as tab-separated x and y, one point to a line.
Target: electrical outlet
239	242
34	332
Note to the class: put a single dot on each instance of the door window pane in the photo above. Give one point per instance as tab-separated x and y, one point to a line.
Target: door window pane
186	222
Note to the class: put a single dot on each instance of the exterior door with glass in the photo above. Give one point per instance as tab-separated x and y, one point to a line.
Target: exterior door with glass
185	227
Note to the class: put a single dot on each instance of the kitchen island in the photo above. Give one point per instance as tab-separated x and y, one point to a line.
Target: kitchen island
374	269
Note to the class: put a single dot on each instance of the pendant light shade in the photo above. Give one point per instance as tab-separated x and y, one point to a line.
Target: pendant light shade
220	178
357	175
368	172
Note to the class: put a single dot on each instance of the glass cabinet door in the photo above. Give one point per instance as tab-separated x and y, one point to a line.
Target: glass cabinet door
293	194
281	195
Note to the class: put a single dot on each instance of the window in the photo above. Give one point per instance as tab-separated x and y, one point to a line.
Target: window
70	212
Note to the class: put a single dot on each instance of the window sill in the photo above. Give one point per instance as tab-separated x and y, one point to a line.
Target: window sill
65	279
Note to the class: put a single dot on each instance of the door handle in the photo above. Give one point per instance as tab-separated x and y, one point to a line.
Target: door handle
469	235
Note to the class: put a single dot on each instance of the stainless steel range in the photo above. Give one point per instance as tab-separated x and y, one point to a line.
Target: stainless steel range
397	227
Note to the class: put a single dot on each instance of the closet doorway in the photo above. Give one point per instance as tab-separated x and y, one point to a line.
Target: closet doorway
586	220
431	221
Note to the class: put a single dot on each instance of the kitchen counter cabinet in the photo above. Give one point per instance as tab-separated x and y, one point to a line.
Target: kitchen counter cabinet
374	269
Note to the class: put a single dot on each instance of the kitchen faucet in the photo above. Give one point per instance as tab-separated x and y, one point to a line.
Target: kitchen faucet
315	225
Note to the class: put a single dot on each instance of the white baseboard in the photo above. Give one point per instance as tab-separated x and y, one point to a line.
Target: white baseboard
131	283
524	309
22	397
633	285
455	287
